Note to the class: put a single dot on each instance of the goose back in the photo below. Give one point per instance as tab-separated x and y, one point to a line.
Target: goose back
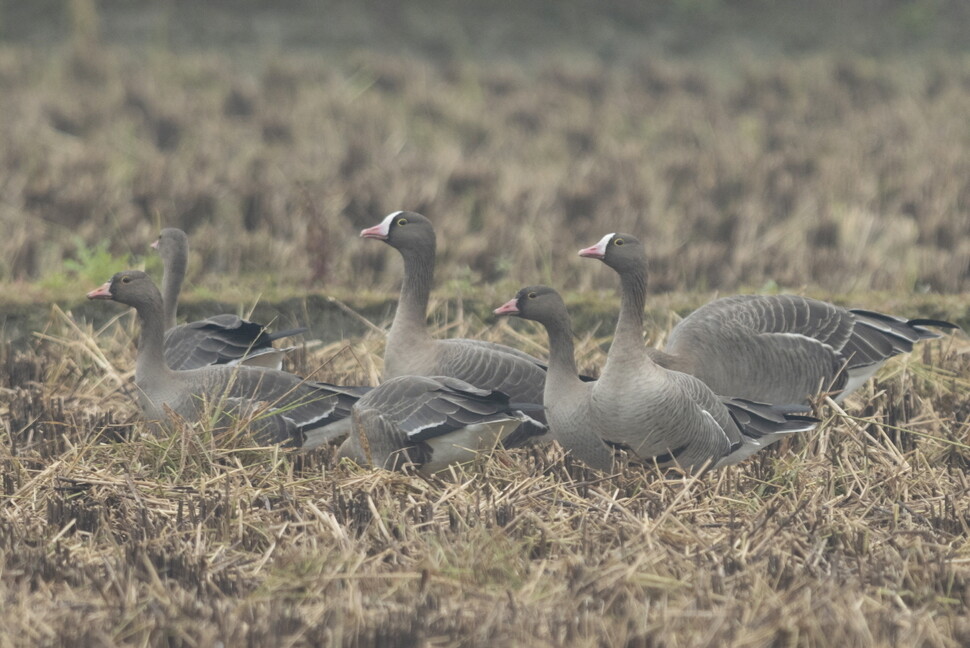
224	339
787	348
428	422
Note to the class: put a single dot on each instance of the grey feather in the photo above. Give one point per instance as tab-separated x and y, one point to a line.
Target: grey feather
283	408
411	350
654	413
428	422
773	348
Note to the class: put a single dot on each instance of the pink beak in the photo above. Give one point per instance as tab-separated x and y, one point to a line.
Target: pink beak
155	244
593	252
511	307
104	292
378	231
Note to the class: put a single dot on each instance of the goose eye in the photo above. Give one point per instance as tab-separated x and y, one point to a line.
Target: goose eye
126	280
402	221
618	241
531	295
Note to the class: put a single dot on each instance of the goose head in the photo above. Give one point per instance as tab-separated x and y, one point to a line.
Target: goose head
622	252
537	303
130	287
171	241
403	230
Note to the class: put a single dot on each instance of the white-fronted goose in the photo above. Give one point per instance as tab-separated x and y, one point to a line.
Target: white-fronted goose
430	423
220	339
410	348
654	413
289	410
777	348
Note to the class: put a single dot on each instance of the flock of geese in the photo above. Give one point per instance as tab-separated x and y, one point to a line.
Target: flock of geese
736	375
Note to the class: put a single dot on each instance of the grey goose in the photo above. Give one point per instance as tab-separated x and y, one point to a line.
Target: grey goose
410	349
284	408
430	423
769	348
219	339
652	412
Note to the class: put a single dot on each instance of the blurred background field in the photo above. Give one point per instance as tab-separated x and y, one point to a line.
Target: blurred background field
752	145
816	147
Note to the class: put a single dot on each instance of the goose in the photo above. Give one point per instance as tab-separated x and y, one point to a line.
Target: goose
285	408
411	350
220	339
652	412
430	423
769	348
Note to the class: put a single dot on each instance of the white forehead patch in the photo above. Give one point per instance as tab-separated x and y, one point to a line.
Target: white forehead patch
385	226
605	241
599	250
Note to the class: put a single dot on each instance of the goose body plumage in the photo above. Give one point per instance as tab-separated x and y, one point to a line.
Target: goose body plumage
411	350
786	348
430	423
283	407
654	413
773	348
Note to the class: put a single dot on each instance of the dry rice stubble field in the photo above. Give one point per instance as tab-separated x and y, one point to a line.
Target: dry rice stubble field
835	174
854	534
832	175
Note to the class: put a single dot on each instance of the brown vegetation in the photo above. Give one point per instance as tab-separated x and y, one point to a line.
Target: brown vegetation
823	173
836	173
854	534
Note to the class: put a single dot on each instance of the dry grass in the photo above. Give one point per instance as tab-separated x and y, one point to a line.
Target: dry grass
854	534
836	172
833	174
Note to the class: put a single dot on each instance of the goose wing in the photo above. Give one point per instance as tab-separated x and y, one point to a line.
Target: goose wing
306	410
221	339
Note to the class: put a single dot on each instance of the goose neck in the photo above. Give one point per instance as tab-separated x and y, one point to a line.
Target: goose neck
628	338
151	342
412	308
562	355
172	278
